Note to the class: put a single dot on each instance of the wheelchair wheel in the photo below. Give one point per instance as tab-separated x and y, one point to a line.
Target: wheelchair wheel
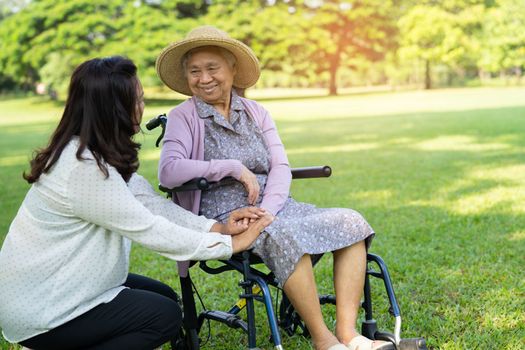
289	319
186	340
179	343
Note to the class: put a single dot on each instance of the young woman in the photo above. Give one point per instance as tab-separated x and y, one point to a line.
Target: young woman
64	281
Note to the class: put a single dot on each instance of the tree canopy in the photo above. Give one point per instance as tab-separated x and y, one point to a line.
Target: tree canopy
298	42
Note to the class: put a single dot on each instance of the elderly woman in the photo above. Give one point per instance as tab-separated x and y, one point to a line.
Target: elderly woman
216	134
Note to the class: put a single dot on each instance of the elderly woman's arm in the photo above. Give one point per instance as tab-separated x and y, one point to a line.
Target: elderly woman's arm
176	166
279	180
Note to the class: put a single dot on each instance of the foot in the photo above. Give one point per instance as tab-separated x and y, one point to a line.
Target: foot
338	347
329	342
363	343
345	334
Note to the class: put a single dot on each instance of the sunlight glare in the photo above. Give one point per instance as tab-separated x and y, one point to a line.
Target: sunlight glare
458	143
507	191
13	160
350	147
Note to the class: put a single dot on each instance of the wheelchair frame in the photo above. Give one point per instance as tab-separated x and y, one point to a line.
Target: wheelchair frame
256	287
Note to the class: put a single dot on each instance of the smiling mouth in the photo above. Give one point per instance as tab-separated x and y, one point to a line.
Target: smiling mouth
209	89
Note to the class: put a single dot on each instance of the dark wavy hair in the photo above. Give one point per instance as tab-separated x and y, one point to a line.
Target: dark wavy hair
101	110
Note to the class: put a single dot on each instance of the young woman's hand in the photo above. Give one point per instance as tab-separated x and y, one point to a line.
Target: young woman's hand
239	220
242	241
249	180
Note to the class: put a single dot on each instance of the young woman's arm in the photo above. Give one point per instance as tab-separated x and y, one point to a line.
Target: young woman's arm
237	223
158	205
108	203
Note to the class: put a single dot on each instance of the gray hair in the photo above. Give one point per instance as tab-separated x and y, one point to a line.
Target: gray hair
226	54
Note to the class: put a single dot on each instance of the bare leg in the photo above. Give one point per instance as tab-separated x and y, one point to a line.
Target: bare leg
349	279
300	288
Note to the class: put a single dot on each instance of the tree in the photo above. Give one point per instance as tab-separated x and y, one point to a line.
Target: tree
49	37
436	36
444	33
269	30
342	33
305	39
74	29
503	47
8	7
141	33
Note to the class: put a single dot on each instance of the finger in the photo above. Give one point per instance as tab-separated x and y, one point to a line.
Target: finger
252	212
239	214
251	196
255	196
256	211
263	222
256	192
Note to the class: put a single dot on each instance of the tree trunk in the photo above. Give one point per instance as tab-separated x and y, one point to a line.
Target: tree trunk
428	78
334	66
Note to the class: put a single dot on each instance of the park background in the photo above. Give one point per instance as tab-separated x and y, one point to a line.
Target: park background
419	107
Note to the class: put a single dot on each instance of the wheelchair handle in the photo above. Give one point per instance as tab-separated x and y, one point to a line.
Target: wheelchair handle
156	122
153	123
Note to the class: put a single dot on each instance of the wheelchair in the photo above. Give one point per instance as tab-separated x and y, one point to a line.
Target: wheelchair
255	286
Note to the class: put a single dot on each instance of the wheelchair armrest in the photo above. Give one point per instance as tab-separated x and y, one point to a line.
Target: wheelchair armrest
198	183
201	183
311	172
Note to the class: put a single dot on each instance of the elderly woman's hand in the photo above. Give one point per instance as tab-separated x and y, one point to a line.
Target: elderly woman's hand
243	240
239	220
249	180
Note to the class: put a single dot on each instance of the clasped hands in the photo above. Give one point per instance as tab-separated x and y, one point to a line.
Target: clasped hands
244	225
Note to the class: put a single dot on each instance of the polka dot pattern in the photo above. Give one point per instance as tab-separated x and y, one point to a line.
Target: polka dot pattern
67	249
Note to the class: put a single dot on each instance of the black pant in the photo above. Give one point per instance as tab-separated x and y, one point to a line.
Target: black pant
142	318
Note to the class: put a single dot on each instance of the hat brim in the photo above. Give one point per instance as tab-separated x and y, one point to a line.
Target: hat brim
169	63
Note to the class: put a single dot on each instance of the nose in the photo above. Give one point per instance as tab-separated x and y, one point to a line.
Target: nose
205	77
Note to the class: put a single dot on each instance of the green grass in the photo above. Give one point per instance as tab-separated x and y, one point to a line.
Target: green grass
440	175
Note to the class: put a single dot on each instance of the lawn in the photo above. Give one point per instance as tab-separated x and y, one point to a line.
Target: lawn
440	175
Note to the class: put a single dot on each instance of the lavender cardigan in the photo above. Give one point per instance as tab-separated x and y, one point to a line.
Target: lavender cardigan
182	157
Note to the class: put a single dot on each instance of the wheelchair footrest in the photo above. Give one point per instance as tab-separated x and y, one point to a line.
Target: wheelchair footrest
232	321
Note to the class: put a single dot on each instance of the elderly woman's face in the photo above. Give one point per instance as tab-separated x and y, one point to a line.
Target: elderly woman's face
209	75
